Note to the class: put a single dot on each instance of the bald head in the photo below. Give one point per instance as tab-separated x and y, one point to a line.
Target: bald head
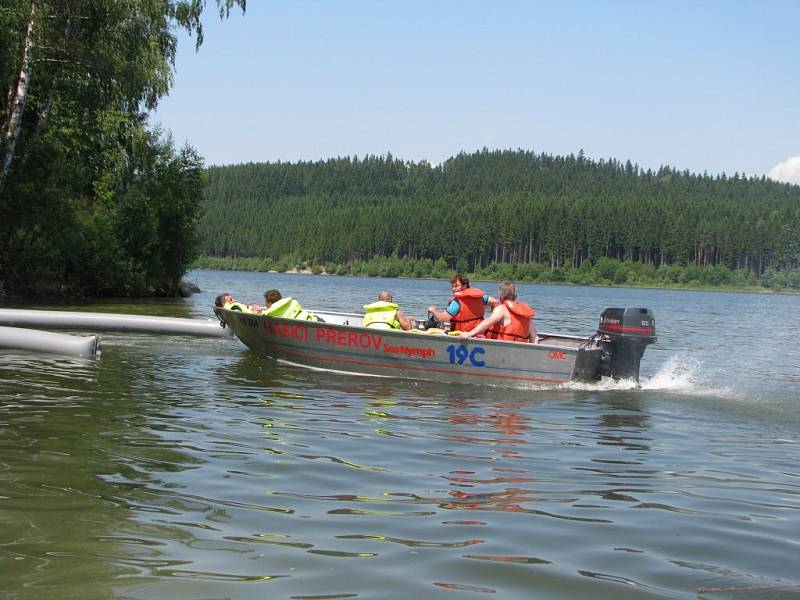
385	297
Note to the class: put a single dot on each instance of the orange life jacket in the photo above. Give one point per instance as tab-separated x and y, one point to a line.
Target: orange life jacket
519	328
471	313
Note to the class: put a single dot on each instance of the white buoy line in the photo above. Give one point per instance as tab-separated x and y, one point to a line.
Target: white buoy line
14	336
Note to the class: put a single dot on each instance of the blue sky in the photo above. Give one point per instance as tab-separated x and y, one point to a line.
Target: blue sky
705	85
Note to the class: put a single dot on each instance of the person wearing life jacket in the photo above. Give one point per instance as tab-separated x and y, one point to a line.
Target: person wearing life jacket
510	320
285	308
227	302
466	307
385	314
271	297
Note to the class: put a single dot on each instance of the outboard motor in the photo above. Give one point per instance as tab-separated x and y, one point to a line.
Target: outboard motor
624	334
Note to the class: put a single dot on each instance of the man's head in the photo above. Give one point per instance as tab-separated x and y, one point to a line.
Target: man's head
508	291
271	297
459	282
223	299
385	297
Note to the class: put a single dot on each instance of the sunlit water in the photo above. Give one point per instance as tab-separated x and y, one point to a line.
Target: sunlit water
179	467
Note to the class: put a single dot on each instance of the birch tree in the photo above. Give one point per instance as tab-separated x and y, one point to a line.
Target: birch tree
124	50
78	77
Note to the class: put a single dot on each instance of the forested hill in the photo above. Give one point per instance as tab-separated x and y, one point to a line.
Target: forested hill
497	207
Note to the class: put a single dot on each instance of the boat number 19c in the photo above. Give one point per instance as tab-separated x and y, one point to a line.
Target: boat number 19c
459	354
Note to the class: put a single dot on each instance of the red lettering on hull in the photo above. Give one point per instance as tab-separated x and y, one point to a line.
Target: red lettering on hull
294	331
409	351
350	339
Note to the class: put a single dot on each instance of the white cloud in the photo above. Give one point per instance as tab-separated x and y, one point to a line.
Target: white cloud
788	171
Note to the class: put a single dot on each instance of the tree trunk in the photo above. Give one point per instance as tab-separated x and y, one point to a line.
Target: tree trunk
14	124
41	123
44	117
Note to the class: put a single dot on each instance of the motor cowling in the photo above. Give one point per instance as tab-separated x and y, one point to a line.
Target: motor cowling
624	335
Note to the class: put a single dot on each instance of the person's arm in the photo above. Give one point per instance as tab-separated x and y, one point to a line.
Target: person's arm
405	321
498	314
534	335
490	300
445	316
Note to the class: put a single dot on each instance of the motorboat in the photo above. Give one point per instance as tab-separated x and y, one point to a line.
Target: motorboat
337	342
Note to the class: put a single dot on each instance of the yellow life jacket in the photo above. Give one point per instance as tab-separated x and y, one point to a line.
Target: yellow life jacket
381	315
237	306
289	308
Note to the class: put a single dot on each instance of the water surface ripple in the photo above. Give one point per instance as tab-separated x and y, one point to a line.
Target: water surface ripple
192	468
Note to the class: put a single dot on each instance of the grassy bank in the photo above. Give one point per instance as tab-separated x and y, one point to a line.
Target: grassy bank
606	271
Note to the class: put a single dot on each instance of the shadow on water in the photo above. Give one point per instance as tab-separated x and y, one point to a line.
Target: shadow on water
159	307
78	452
98	466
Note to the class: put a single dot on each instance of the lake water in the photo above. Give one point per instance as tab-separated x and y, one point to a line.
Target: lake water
177	467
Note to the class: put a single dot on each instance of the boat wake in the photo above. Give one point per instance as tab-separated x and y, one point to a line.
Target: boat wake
604	385
680	374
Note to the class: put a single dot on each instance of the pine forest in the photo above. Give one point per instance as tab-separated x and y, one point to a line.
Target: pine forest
504	213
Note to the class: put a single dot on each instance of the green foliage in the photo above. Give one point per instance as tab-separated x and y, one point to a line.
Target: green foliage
92	200
507	214
132	232
620	272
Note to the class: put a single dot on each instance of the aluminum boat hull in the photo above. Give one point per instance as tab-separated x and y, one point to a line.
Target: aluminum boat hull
339	343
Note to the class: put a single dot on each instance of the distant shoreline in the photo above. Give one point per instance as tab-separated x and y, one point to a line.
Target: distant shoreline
307	271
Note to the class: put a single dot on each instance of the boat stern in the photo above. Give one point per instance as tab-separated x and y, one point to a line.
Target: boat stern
624	335
587	364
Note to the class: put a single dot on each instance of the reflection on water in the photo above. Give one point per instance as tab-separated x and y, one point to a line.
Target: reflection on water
188	468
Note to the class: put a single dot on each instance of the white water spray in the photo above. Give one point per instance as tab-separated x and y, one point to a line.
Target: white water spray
680	374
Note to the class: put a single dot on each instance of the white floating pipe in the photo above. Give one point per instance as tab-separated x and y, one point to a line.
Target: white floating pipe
58	319
51	343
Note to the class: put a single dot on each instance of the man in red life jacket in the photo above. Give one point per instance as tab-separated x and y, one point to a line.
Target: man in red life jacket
466	307
510	320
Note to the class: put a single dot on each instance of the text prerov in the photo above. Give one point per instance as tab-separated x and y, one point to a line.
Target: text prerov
340	337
